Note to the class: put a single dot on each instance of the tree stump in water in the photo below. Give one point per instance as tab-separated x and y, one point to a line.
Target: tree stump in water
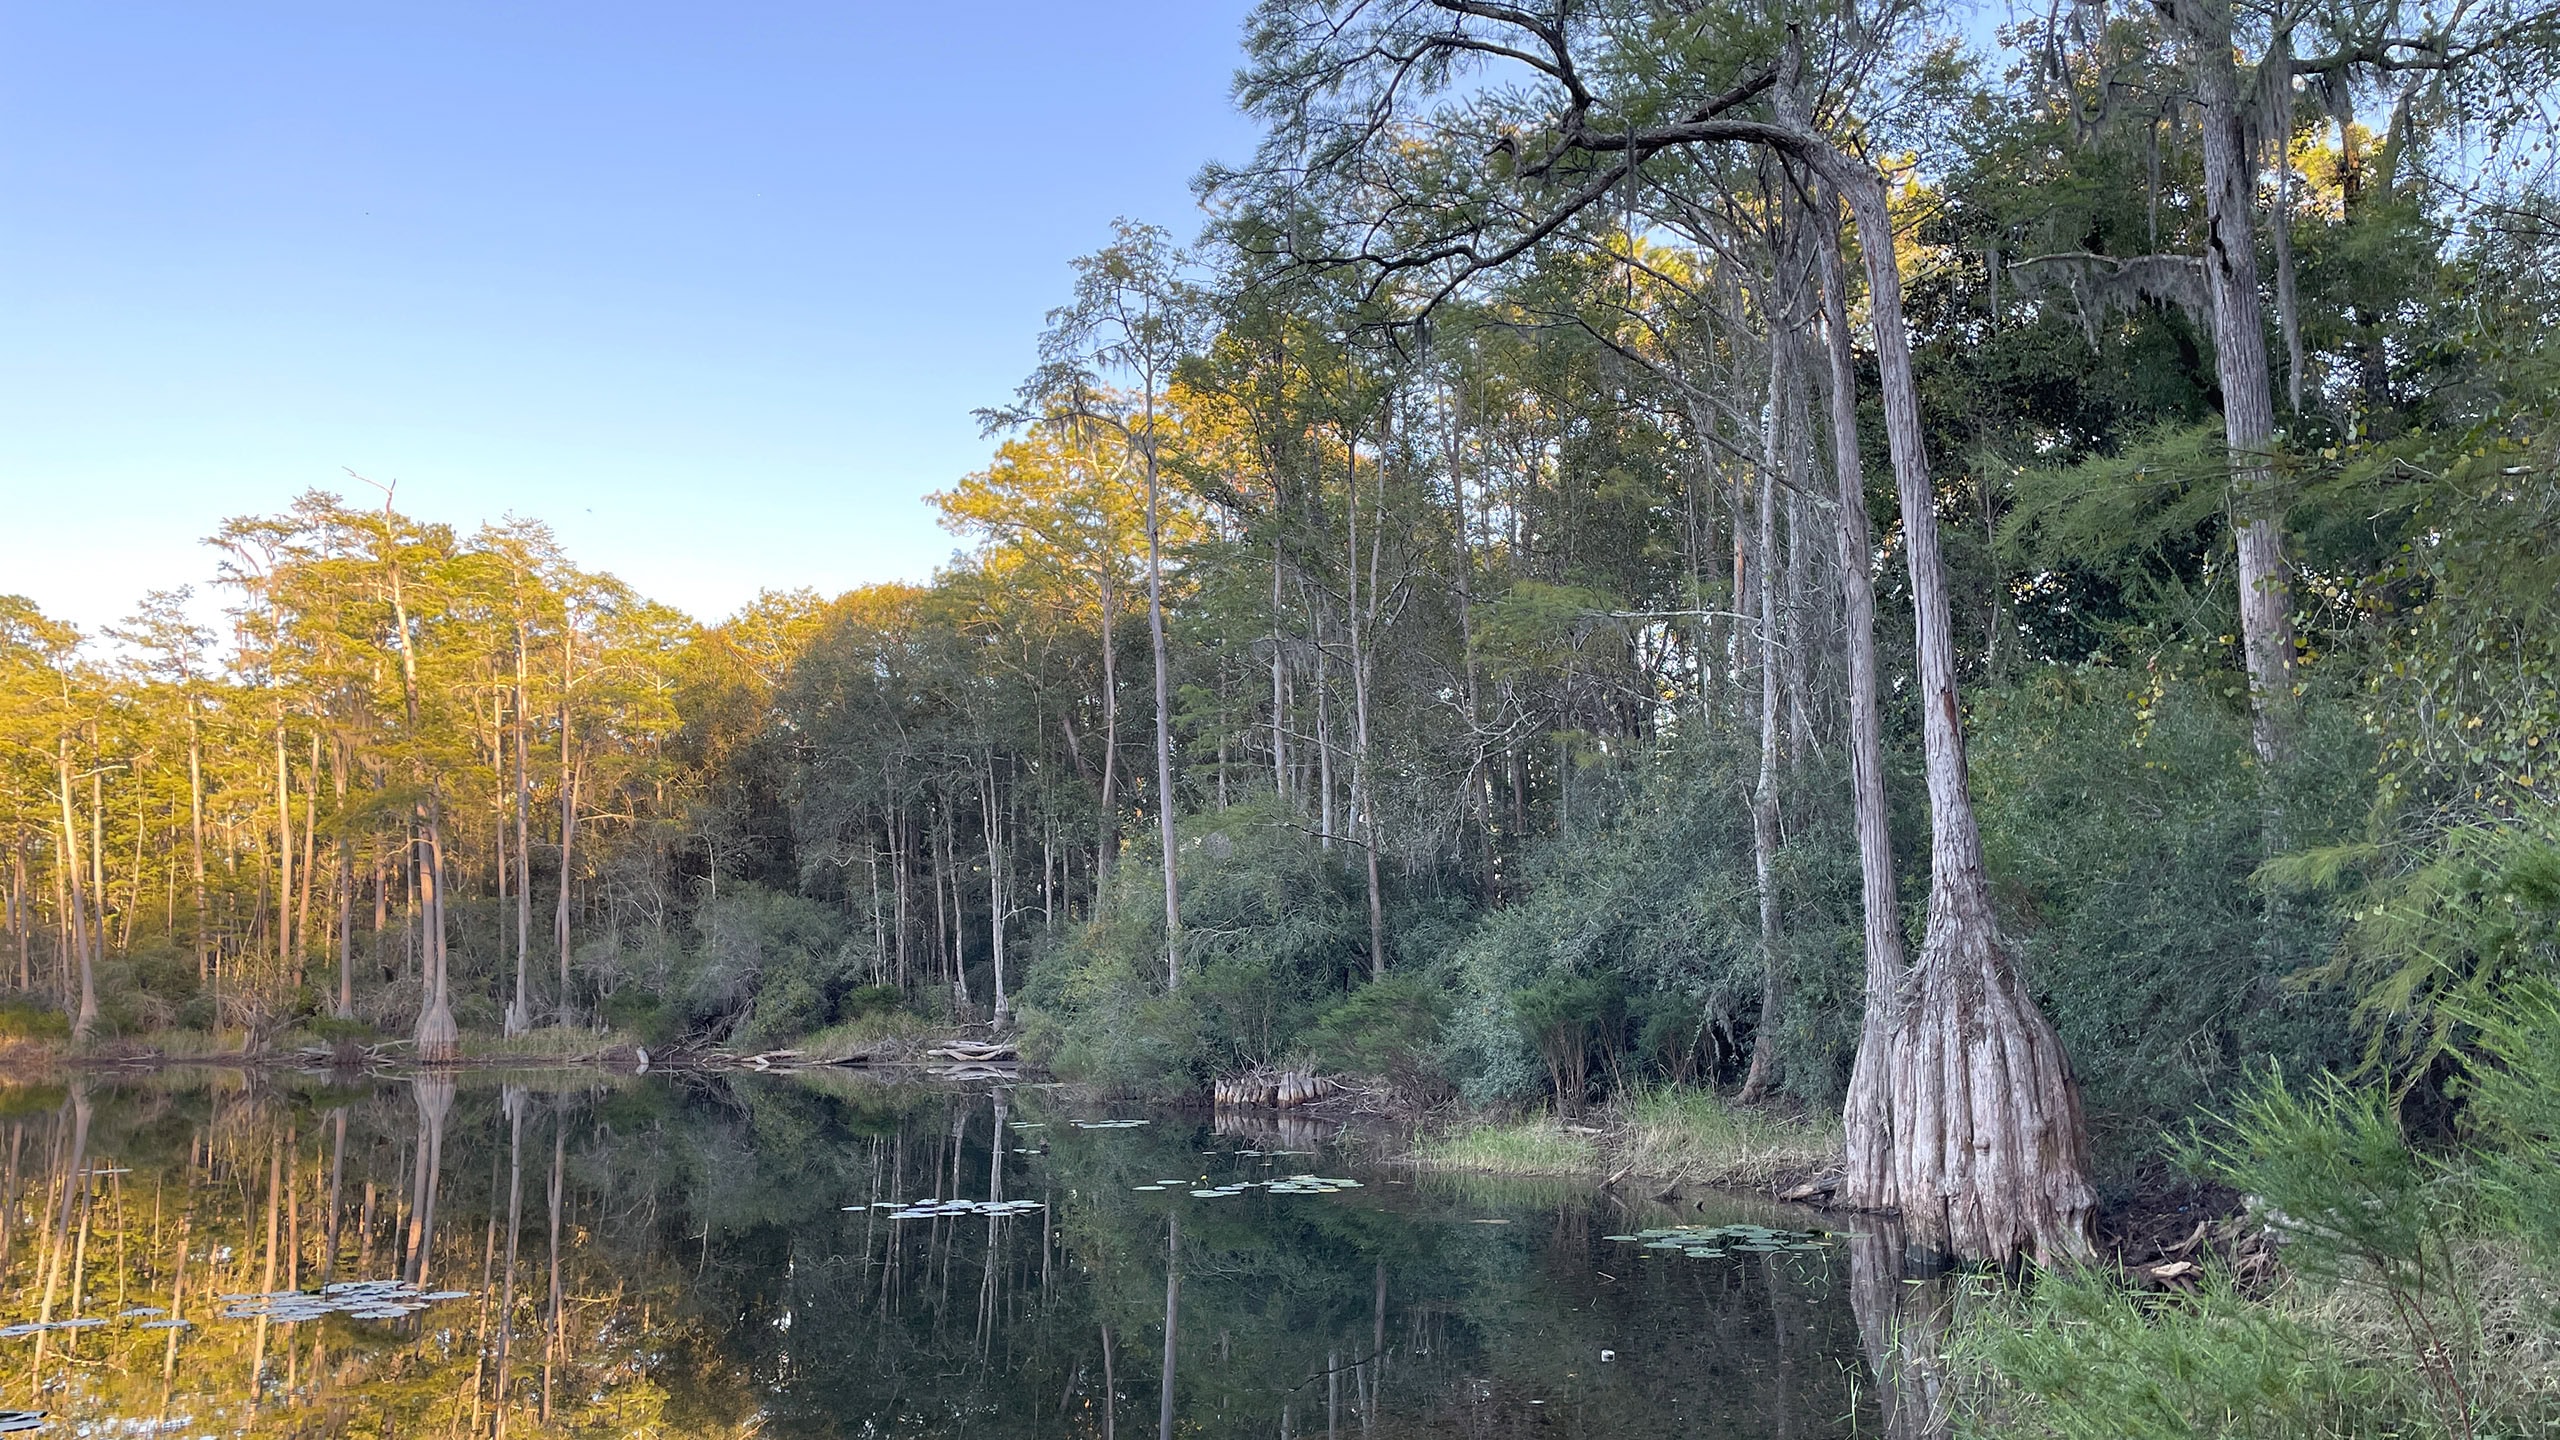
1269	1089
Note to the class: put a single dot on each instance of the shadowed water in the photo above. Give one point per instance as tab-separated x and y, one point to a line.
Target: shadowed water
834	1255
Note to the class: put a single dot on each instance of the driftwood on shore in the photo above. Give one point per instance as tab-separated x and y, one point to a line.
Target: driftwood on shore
976	1052
957	1059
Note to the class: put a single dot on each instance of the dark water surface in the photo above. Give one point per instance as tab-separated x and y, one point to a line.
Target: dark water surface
575	1253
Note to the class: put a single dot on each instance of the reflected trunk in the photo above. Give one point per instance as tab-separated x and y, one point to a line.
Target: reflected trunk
1902	1328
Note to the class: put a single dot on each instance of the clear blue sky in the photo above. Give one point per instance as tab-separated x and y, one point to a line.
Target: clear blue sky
711	288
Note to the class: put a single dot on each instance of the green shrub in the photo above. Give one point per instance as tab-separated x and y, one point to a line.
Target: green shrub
2123	818
1276	931
27	1020
769	966
1388	1027
2512	1095
864	1000
1635	953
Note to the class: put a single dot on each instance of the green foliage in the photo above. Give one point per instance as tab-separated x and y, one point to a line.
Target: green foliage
1275	931
2078	1357
1389	1027
771	966
2122	821
1635	948
2452	922
2331	1172
2511	1095
25	1020
2402	1310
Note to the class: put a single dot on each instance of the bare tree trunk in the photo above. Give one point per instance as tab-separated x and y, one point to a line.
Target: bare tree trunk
85	1019
1279	678
21	934
346	1006
1107	848
310	842
1479	775
900	862
1164	710
195	837
284	854
1763	1074
1364	801
1990	1153
1324	726
520	1014
1867	1117
995	906
438	1038
568	812
2240	365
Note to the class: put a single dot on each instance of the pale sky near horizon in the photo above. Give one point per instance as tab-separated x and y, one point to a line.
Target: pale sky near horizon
712	290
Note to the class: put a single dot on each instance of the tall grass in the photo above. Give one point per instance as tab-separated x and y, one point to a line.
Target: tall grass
1666	1133
882	1034
1693	1135
554	1042
1539	1145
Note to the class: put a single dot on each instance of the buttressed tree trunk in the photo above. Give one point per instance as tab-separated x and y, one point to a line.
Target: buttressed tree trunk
1989	1156
438	1039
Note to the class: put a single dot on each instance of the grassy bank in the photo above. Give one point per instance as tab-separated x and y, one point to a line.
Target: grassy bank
2307	1356
881	1035
1681	1135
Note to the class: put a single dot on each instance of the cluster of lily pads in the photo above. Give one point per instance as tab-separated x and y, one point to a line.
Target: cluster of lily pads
356	1299
930	1208
147	1317
1293	1185
1106	1124
83	1322
1705	1242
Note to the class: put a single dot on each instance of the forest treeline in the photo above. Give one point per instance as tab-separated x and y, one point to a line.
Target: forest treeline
1996	588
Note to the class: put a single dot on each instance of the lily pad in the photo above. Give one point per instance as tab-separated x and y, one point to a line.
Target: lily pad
1703	1242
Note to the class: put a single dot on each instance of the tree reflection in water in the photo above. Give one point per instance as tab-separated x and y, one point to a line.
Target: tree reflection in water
1902	1312
724	1259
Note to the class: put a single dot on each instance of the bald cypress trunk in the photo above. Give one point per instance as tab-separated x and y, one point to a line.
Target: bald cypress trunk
1866	1115
1990	1158
2240	368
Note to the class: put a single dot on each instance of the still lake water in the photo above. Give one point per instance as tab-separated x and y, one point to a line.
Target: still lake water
577	1253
